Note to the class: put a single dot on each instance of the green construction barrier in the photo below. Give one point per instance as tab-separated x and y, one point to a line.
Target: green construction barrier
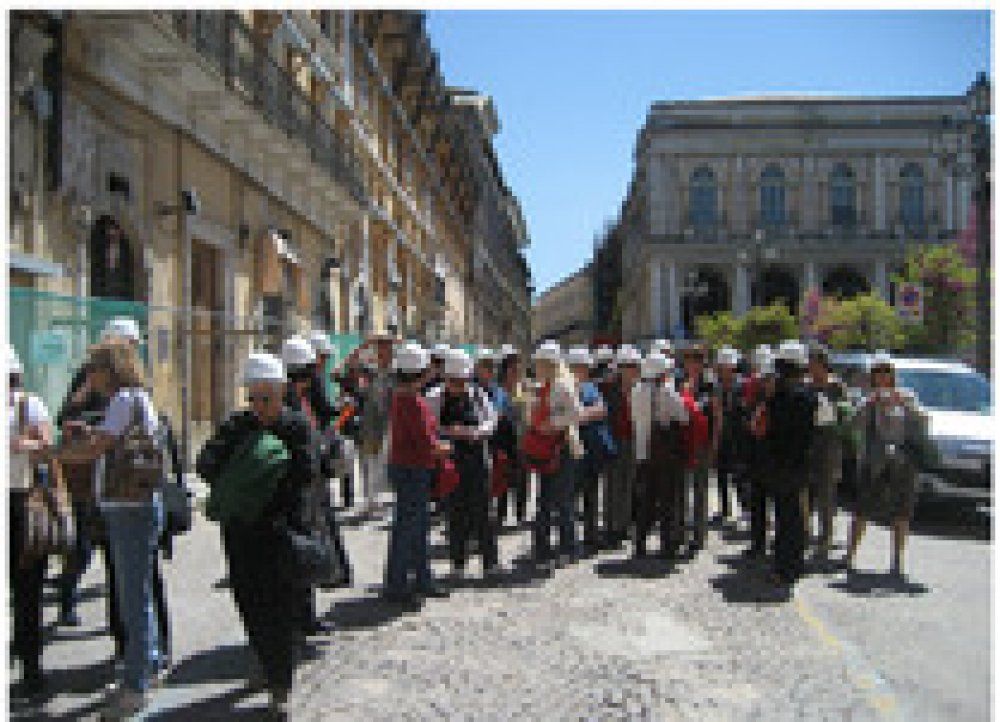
51	334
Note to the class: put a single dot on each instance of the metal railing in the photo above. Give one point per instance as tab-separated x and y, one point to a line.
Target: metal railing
231	48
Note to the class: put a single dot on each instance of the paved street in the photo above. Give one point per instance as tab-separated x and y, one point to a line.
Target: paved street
603	639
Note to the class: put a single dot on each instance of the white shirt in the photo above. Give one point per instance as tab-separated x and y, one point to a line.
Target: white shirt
35	414
668	407
117	418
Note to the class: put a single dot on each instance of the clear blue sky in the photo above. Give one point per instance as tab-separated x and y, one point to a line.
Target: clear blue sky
572	88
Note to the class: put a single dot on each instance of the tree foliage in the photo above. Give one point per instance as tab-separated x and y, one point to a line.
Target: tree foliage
866	321
761	324
949	299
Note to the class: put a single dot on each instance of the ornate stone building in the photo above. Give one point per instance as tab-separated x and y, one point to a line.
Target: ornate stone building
565	312
248	174
744	201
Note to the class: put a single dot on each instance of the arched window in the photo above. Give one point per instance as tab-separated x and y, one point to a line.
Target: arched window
842	196
703	195
772	196
911	195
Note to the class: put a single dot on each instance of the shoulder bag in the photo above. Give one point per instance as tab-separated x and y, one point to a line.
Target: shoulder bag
134	470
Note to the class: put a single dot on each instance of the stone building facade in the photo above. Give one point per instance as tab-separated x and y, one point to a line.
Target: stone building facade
565	312
249	174
745	201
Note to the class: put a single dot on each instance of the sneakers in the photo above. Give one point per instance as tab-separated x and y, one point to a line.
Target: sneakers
124	703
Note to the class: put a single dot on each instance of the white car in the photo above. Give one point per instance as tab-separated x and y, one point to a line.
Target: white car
958	400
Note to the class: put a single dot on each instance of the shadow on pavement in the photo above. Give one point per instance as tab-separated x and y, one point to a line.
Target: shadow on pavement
222	706
872	584
952	517
747	583
219	664
643	567
363	613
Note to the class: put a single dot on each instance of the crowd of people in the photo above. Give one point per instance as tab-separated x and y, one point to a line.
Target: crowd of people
613	444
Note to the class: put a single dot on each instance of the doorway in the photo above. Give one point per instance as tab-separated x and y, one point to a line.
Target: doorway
207	349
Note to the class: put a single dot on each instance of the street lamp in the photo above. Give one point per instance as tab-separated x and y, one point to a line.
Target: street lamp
755	255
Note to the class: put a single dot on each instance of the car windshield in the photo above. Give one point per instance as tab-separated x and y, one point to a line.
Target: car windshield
948	390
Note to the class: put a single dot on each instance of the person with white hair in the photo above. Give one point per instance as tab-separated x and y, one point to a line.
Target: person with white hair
620	486
467	419
552	449
657	413
891	426
29	431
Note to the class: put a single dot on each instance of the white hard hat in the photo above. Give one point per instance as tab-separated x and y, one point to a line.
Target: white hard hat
13	361
654	366
411	358
457	364
793	351
296	351
762	355
727	356
880	358
628	355
579	356
440	350
263	367
604	354
661	345
485	355
548	351
508	350
122	328
320	342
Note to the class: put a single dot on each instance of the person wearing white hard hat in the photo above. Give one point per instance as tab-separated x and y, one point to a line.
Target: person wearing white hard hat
466	419
826	455
699	384
258	465
892	427
414	451
29	431
620	477
435	373
729	434
510	430
657	413
133	513
597	441
123	328
788	434
552	449
758	388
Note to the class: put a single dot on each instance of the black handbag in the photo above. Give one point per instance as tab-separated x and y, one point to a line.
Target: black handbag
314	554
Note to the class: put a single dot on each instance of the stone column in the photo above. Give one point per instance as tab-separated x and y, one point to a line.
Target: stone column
949	201
809	276
655	298
881	283
741	296
878	187
673	302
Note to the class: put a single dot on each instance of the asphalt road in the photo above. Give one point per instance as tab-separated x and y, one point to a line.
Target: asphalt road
605	638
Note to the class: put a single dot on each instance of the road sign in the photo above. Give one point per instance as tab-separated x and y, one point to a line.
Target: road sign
910	301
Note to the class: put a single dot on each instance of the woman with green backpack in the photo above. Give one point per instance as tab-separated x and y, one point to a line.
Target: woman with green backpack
258	466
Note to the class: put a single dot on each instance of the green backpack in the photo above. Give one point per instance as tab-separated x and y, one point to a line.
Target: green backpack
249	480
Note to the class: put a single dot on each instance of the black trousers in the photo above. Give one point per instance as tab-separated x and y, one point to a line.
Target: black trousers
347	490
587	491
26	589
789	532
727	479
262	574
469	513
516	492
660	501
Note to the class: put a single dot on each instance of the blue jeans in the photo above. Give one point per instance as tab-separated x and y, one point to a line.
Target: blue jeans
555	504
408	541
133	532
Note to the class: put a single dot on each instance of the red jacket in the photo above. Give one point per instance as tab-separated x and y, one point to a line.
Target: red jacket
413	432
696	430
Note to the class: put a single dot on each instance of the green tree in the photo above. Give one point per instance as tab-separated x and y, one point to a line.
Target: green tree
718	329
949	299
863	322
766	324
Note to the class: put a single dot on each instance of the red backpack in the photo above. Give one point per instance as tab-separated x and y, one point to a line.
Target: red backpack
541	450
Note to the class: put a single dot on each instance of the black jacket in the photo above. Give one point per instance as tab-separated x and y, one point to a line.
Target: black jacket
291	503
790	424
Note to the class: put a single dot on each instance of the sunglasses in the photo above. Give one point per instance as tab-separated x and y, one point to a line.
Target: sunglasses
263	398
